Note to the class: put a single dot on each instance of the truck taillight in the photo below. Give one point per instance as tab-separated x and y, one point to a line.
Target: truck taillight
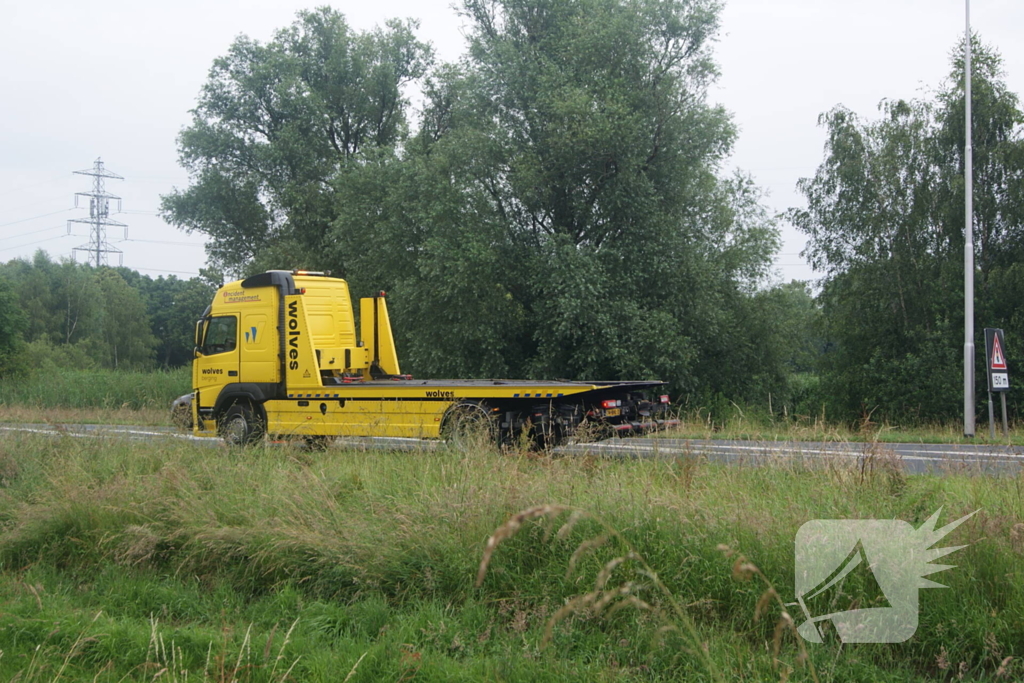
610	403
663	398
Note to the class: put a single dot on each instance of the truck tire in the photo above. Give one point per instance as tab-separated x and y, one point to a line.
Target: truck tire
469	424
240	426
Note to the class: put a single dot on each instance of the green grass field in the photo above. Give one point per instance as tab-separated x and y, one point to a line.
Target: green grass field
139	562
111	390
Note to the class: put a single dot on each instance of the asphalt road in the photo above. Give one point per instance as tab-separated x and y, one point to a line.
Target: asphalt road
914	458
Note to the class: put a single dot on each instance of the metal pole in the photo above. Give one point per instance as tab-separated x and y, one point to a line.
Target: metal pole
1006	427
968	240
991	418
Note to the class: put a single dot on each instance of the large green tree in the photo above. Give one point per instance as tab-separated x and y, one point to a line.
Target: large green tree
560	212
275	122
885	222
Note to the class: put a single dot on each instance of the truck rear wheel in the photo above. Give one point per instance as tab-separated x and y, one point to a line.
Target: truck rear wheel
240	426
469	424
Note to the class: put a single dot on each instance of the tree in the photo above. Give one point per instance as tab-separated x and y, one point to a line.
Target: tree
276	122
128	341
885	224
559	212
12	325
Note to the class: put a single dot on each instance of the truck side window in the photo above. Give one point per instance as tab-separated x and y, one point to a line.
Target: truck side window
221	333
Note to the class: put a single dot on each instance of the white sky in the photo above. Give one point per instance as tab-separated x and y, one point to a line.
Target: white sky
116	80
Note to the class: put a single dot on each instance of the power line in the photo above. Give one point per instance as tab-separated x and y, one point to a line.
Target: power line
182	244
26	220
175	272
160	179
34	232
29	244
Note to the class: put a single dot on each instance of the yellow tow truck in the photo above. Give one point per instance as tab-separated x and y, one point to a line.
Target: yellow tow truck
277	353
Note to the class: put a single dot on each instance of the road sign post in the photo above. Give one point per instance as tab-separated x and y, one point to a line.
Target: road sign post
998	375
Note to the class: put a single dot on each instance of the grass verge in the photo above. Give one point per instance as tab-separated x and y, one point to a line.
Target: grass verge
126	561
757	426
95	389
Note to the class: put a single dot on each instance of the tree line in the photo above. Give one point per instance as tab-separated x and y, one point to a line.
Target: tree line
73	315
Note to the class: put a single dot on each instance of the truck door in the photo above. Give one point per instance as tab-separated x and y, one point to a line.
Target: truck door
259	360
216	362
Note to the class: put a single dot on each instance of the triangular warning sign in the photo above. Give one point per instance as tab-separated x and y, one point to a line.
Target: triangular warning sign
998	359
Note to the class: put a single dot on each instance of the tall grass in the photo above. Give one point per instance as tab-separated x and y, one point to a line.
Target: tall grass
108	389
756	423
376	555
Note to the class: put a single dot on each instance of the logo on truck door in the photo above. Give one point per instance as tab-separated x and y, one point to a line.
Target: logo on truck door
293	335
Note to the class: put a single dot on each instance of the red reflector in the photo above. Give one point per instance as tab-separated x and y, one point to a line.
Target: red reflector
663	398
382	294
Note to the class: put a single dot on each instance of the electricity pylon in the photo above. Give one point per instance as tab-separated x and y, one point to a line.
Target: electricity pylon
99	217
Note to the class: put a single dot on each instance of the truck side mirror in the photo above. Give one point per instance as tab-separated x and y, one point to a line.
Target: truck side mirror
200	328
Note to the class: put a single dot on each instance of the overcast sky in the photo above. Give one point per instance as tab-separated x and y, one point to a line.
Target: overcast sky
116	80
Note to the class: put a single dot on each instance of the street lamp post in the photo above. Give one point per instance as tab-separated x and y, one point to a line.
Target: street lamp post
968	241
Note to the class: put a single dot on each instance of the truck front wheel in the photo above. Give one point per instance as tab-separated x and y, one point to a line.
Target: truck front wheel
240	426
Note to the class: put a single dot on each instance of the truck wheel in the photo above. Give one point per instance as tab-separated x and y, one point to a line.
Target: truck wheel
468	424
240	426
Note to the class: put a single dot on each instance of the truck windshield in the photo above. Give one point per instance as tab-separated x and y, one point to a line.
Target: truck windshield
220	335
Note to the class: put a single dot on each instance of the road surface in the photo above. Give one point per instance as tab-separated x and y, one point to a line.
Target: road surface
914	458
